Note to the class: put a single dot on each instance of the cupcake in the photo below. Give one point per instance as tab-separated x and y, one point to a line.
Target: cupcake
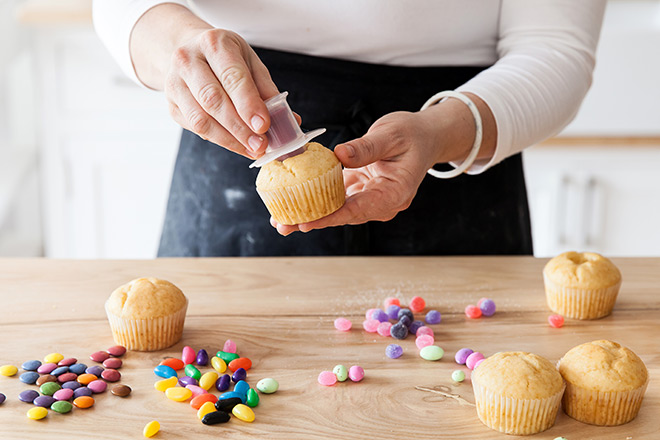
147	314
605	383
517	393
581	285
302	188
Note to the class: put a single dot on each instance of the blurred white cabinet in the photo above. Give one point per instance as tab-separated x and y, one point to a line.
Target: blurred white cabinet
599	198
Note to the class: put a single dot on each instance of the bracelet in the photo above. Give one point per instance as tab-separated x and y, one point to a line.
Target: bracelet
467	163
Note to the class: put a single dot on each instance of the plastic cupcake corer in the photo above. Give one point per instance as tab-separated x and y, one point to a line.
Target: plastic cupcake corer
284	135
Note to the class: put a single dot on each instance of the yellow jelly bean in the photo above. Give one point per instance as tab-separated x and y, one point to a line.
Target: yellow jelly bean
151	429
163	385
37	413
207	407
208	380
178	394
218	364
8	370
243	412
53	358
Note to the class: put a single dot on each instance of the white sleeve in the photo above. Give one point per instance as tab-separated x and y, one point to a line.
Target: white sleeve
546	53
114	21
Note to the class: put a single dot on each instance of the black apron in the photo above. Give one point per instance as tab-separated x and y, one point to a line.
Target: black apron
214	209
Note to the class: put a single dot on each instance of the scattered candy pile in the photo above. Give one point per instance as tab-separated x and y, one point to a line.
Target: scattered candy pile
339	374
484	307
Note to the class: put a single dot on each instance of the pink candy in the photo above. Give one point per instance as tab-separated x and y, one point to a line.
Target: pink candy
188	355
97	386
423	330
424	341
327	378
196	390
472	311
356	373
391	301
229	347
478	363
471	360
368	314
63	394
341	324
384	328
371	325
556	321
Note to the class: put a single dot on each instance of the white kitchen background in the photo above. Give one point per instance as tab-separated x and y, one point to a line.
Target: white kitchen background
86	155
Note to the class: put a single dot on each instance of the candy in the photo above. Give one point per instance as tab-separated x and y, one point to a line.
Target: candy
207	407
71	384
392	311
227	357
62	407
165	371
96	370
462	355
472	312
405	312
99	356
178	394
63	394
379	315
121	390
433	317
151	429
164	384
174	363
113	363
243	412
268	385
399	331
391	301
218	364
476	364
77	368
487	306
216	417
188	355
67	362
81	392
252	399
340	371
31	365
356	373
414	326
232	394
560	438
200	400
327	378
28	396
222	384
83	402
241	387
556	321
53	358
393	351
111	375
196	391
208	379
384	328
405	321
229	346
2	398
371	325
227	404
417	304
202	357
97	386
424	341
29	378
49	388
343	324
37	413
43	369
46	378
243	363
116	350
458	376
425	331
44	401
67	377
472	359
187	380
59	370
86	378
431	353
239	374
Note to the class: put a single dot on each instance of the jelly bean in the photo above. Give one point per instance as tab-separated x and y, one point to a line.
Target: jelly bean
97	386
208	379
241	387
431	353
424	341
218	364
67	377
198	401
192	371
404	320
188	355
121	390
393	351
44	401
53	358
227	357
174	363
116	350
178	394
268	385
472	359
458	376
31	365
229	346
487	306
216	417
37	413
232	394
343	324
28	396
82	392
202	357
63	394
433	317
417	304
340	371
243	412
327	378
43	369
476	364
187	380
384	328
196	391
462	355
414	326
29	378
472	312
49	388
239	374
243	363
379	315
164	384
77	368
96	370
371	325
71	384
99	356
62	407
425	331
391	301
67	362
113	363
368	313
252	398
356	373
86	378
392	311
227	404
2	398
165	371
556	321
111	375
151	429
399	331
405	312
46	378
207	407
59	370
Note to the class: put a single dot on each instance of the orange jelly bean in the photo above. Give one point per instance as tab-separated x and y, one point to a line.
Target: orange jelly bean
174	363
244	363
86	378
200	400
83	402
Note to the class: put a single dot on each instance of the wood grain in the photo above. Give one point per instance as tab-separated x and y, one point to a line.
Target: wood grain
280	313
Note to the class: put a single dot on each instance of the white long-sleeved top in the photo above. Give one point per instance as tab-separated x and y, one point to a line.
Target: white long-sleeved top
542	52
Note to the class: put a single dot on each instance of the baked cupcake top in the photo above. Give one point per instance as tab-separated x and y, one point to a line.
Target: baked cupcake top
586	270
146	298
316	160
603	366
519	375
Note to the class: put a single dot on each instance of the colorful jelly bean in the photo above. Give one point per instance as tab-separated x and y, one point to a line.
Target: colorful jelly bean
424	331
187	380
216	417
243	363
424	341
218	364
458	376
196	391
243	412
151	429
462	355
116	350
472	311
393	351
379	315
343	324
53	358
340	371
239	374
227	404
232	394
202	358
174	363
197	401
472	359
2	398
165	371
192	371
178	394
223	382
556	321
241	387
227	357
384	329
207	407
62	406
83	402
268	385
327	378
29	377
399	331
164	384
121	390
31	365
99	356
113	363
356	373
252	399
208	379
229	346
431	353
371	325
188	355
487	306
28	396
433	317
391	301
37	413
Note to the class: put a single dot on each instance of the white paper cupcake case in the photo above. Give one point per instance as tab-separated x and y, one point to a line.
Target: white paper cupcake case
580	303
148	334
306	201
515	416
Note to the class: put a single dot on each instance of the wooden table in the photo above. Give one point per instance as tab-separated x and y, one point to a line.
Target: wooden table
281	312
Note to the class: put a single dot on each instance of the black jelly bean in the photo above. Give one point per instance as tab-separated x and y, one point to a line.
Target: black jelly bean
215	417
227	404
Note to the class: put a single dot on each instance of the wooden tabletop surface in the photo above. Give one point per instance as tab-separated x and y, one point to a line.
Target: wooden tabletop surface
280	312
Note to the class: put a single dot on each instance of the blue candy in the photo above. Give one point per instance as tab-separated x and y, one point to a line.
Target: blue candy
241	387
59	370
232	394
31	365
433	317
165	371
29	378
77	368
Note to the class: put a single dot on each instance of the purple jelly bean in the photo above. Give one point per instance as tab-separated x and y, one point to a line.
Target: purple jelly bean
239	374
72	385
393	311
187	380
2	398
462	355
433	317
82	391
393	351
95	370
379	315
414	326
222	384
202	357
487	307
28	396
45	401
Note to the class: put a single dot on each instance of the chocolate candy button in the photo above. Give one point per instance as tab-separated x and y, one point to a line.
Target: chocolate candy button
121	390
46	378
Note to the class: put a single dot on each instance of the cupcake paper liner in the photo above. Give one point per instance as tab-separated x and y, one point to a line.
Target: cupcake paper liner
580	303
148	334
306	201
515	416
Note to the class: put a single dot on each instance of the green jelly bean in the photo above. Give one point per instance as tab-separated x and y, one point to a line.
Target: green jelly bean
252	398
268	385
227	357
49	388
62	406
431	353
341	372
192	371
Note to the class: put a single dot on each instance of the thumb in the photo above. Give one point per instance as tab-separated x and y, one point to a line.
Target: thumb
363	151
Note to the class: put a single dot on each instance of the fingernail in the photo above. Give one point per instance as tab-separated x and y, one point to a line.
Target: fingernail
255	142
257	122
350	151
